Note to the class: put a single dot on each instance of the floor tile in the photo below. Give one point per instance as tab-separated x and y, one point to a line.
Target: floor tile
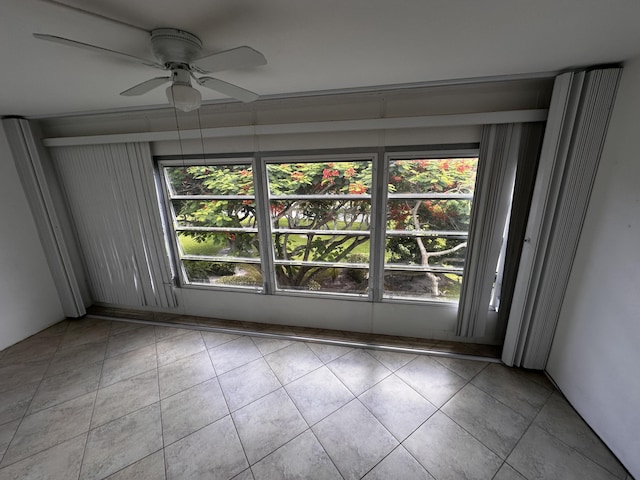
267	424
398	464
93	333
392	360
13	376
70	358
491	422
234	354
213	452
301	459
124	397
541	455
358	370
507	472
31	348
185	373
248	383
513	389
192	409
65	386
270	345
354	439
292	362
179	347
7	430
122	442
164	333
431	380
327	352
149	468
467	369
318	394
130	340
246	475
450	453
128	365
118	327
213	339
61	462
14	402
559	419
49	427
397	406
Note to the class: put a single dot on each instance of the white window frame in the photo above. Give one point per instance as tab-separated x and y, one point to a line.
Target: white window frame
178	254
378	196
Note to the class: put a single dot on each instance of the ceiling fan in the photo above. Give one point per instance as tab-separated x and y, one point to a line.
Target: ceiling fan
181	54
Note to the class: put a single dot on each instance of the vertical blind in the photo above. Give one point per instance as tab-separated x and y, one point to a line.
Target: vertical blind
499	148
577	125
111	196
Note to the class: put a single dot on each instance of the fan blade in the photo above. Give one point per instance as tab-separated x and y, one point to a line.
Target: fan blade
240	57
86	46
145	86
228	89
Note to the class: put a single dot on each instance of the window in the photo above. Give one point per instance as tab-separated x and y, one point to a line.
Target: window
427	224
313	223
213	213
320	224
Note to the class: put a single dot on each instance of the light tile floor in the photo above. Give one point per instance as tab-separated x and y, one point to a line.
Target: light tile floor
94	399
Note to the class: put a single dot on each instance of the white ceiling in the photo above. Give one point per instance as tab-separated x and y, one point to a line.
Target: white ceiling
310	45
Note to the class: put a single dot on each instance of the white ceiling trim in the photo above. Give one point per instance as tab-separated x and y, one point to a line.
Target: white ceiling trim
430	121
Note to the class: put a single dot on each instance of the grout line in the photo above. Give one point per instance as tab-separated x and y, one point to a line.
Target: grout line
95	400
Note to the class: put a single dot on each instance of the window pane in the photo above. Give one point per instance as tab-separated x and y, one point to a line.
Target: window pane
323	279
428	195
420	214
321	214
440	252
422	285
448	175
326	178
211	180
215	213
223	274
220	244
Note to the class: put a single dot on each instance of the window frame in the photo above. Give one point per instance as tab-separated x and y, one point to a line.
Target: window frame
378	198
177	254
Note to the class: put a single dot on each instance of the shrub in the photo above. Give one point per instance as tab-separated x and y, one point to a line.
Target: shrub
201	270
358	275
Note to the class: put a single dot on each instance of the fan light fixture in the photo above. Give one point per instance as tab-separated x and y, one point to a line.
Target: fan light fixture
184	97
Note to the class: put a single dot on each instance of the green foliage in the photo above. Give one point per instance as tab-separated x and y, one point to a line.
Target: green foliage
202	270
250	278
328	179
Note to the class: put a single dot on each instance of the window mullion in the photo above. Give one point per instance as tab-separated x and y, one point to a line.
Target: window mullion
378	226
264	224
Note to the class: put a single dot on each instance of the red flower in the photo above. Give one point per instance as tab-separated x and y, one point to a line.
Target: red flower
327	173
349	172
297	176
244	173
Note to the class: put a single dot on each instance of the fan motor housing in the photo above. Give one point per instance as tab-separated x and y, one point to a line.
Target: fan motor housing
172	46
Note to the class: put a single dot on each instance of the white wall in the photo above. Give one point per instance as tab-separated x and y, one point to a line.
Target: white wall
595	355
28	297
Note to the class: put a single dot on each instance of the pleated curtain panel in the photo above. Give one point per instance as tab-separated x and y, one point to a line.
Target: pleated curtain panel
112	199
